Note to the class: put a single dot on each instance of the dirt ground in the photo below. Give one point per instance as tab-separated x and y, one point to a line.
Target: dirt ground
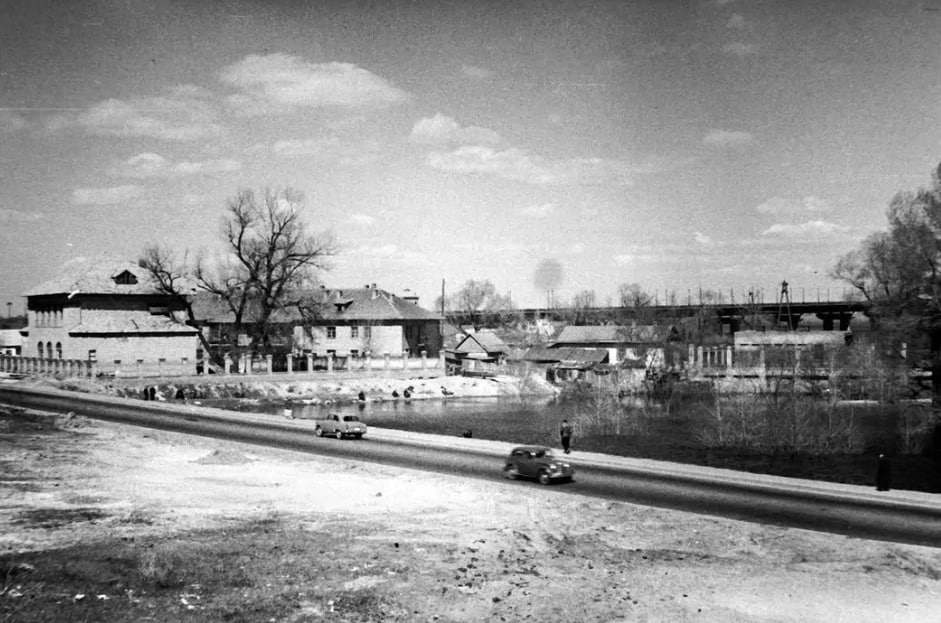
107	522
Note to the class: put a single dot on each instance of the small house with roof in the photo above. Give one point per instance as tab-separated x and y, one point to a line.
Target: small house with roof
644	343
484	345
112	314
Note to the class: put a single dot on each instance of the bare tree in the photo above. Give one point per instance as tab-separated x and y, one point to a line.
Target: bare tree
636	302
581	306
173	278
270	264
480	301
267	271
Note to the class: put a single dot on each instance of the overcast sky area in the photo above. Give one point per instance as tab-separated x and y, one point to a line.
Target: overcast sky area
721	144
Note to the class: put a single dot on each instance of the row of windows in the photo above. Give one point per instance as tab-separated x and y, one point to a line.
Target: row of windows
46	352
49	318
354	332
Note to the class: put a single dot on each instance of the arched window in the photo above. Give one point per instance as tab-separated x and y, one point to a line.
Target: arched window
40	350
49	350
58	350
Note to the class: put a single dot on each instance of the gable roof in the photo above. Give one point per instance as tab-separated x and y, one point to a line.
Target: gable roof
348	305
542	354
482	342
98	276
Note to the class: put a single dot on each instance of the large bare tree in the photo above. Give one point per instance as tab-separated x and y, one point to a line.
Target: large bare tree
270	264
268	268
479	301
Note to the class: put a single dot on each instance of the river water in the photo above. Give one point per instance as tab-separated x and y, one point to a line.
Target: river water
651	429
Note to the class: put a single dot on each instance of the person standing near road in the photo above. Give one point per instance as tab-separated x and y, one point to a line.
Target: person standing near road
565	433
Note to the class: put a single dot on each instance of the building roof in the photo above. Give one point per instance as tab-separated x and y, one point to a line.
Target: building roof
611	334
129	322
482	341
542	354
98	276
367	304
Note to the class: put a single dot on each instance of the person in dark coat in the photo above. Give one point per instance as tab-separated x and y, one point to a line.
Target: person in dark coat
565	434
883	473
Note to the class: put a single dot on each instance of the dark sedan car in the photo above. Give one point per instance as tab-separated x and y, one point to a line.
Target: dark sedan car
537	462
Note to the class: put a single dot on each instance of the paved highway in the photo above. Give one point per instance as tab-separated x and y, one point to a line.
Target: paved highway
903	516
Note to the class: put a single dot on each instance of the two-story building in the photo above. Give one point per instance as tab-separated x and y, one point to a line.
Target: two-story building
112	314
363	321
349	322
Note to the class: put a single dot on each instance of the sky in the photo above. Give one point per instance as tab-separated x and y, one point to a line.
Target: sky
721	145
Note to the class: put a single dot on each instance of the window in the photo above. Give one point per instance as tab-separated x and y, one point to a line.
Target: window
354	352
117	362
41	350
331	333
58	350
126	278
367	332
354	331
49	350
92	356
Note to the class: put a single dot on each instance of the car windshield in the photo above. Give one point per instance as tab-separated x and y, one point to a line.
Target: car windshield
544	454
350	418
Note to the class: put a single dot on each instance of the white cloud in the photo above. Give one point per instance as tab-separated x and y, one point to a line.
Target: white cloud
279	83
737	48
183	114
805	231
11	121
539	211
329	149
624	259
702	238
779	206
105	196
727	138
149	164
514	164
362	220
477	73
218	165
517	164
18	216
442	130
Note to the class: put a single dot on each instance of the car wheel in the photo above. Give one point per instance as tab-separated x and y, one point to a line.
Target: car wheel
544	478
358	435
318	431
339	434
511	472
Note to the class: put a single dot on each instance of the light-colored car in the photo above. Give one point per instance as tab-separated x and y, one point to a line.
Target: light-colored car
340	426
537	462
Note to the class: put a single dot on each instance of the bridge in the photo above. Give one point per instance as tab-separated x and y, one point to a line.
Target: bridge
835	315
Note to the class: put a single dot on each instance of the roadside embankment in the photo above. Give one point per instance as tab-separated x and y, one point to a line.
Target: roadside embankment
323	388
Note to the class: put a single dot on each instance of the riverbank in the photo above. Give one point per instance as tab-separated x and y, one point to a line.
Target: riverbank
303	388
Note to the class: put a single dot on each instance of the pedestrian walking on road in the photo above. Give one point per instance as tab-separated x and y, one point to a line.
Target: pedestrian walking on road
565	433
883	473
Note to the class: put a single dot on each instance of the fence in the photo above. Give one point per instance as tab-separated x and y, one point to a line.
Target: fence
48	367
244	365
